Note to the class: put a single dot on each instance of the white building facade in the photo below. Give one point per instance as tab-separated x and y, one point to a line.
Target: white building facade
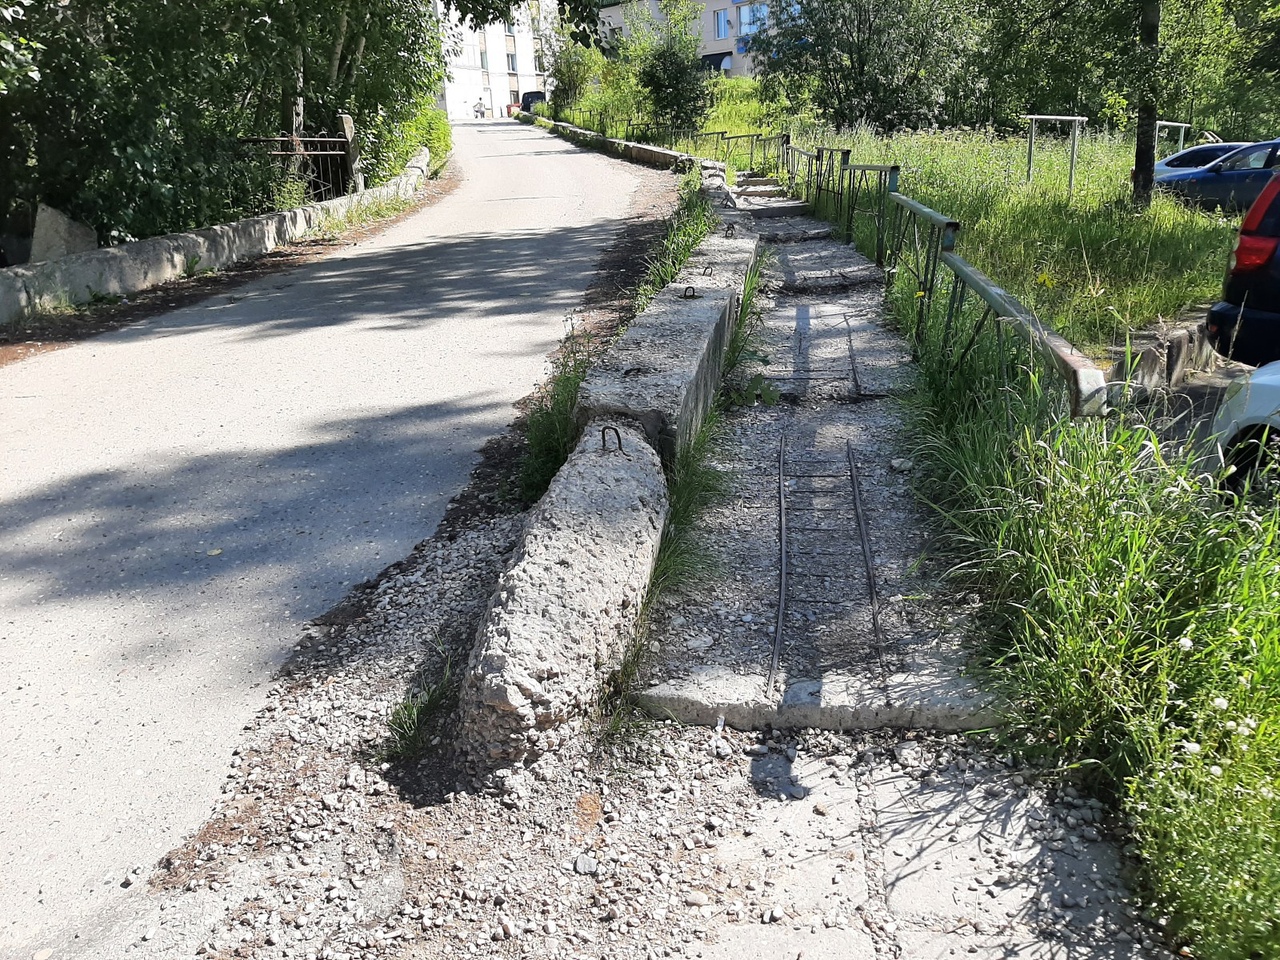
498	63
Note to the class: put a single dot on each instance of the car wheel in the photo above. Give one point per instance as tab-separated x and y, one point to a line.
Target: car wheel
1253	463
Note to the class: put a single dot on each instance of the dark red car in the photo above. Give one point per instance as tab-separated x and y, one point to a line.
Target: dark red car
1245	324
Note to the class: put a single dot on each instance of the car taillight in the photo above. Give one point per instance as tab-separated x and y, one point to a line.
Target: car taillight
1253	219
1252	253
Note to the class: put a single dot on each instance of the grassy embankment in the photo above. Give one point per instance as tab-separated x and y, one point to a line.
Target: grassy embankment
1131	613
1090	266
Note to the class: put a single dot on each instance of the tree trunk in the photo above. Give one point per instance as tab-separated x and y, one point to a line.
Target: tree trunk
336	58
1144	160
294	96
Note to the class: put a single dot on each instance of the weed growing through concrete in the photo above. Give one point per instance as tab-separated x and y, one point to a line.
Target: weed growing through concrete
550	429
741	349
362	212
689	226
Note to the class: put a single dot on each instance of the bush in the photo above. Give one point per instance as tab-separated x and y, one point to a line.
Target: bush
390	147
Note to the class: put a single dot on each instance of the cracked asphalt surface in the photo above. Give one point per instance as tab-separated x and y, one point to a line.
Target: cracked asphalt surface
179	496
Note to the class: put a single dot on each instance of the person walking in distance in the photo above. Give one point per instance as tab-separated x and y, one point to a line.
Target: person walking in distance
479	110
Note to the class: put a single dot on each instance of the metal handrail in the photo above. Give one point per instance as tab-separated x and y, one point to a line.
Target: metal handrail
930	215
1086	384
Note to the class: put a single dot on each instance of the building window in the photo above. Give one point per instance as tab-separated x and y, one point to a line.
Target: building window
508	29
722	24
752	17
484	60
511	63
515	96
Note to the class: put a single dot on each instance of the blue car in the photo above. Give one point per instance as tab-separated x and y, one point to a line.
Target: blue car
1232	182
1201	155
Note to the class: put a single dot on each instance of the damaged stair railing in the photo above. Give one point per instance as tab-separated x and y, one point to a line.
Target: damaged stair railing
920	242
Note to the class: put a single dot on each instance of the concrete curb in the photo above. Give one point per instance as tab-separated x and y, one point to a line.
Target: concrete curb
565	612
1165	363
143	264
645	153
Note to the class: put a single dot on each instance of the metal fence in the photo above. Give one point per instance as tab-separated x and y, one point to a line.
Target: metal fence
911	241
922	242
324	164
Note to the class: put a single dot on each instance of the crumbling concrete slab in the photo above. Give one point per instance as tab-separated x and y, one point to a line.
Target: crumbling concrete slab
768	207
57	235
566	609
824	266
779	230
664	372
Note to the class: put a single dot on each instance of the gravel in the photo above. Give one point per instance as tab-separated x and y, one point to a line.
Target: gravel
666	841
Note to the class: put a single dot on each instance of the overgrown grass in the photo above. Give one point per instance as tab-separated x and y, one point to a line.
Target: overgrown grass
1091	266
362	212
421	716
551	429
1131	617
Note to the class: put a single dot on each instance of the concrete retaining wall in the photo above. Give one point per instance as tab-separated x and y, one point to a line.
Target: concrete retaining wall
1164	362
645	153
131	267
565	612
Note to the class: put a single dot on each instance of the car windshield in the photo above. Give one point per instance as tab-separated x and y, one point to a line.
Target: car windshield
1197	157
1251	158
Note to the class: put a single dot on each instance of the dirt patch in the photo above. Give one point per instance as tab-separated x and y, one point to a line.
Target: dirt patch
45	332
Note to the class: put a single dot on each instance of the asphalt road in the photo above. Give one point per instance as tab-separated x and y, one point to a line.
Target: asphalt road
177	497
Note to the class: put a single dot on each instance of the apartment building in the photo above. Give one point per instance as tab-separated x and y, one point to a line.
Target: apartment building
725	28
497	63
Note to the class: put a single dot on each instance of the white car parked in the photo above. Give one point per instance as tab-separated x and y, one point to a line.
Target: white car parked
1246	427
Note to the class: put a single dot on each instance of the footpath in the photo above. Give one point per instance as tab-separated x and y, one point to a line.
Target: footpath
815	784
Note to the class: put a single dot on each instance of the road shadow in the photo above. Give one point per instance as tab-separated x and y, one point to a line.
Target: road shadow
409	286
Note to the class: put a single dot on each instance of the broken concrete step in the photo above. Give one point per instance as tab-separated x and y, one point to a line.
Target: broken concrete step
746	180
832	347
769	207
824	266
924	696
775	230
764	190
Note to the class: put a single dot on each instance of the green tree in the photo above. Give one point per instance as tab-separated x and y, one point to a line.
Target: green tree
574	68
669	69
886	62
17	53
134	121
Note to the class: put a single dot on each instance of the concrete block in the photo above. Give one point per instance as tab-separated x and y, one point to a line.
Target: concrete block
14	298
565	611
664	372
57	235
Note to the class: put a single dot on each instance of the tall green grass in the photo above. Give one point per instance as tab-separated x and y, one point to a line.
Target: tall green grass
1131	619
551	429
1090	265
